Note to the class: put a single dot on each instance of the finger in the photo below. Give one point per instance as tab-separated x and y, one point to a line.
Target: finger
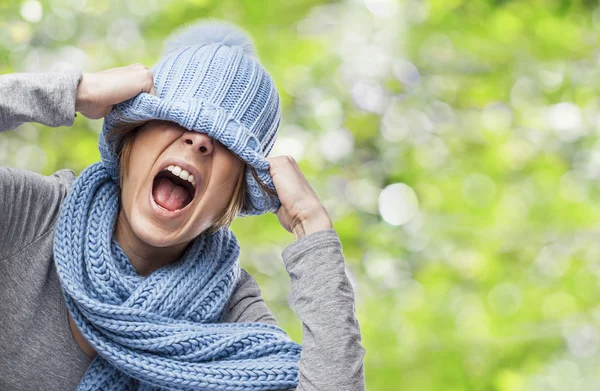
270	162
121	68
134	65
134	81
148	82
275	162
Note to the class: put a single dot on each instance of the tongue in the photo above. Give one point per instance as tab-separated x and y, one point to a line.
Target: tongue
169	195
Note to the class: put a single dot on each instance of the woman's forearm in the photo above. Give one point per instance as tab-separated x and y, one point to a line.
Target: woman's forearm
48	98
332	353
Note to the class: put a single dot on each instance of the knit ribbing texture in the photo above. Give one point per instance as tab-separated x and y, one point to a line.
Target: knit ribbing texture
162	331
209	82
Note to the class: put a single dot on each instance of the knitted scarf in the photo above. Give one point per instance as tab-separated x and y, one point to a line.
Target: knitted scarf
161	331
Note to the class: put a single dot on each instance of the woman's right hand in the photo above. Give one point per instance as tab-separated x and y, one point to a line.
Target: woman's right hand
98	92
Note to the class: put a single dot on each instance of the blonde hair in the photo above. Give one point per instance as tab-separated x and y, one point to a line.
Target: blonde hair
123	136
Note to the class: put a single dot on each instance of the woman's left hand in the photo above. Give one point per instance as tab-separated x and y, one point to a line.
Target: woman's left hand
301	212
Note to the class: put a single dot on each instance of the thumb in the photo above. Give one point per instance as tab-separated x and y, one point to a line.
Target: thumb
152	90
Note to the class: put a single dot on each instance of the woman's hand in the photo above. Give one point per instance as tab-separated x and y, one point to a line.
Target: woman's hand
98	92
301	212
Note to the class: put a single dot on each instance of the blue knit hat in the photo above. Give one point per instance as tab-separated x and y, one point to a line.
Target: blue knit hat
209	80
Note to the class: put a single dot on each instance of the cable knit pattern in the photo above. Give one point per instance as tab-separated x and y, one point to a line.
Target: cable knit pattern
209	81
163	331
160	332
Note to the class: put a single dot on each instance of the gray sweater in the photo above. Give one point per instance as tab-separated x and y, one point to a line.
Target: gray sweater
37	349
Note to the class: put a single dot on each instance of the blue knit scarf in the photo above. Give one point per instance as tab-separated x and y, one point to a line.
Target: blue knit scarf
161	331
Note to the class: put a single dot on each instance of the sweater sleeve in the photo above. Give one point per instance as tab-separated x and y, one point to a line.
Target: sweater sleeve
47	98
323	298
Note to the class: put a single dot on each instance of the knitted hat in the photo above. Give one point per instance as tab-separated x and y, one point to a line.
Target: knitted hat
210	81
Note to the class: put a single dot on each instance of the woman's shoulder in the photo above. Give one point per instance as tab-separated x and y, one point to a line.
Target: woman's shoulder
246	303
20	176
20	187
66	174
29	204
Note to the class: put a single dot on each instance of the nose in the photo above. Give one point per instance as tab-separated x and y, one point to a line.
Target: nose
200	142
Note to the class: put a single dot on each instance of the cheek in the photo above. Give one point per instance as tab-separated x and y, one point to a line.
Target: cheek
137	171
134	181
144	153
228	169
127	195
131	185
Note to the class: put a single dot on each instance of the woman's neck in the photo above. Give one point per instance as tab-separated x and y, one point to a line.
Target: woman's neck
144	257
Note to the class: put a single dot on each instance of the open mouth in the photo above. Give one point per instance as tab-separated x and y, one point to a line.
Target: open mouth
173	188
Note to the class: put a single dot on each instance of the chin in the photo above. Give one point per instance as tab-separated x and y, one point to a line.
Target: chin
152	234
158	231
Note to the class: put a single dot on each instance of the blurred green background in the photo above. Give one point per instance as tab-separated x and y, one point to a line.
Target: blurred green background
454	143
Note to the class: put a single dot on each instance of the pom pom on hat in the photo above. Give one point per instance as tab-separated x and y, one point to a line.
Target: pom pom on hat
208	32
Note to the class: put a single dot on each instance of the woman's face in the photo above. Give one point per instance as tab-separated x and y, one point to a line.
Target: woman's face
162	206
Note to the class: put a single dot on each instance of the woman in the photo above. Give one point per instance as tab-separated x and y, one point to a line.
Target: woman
136	256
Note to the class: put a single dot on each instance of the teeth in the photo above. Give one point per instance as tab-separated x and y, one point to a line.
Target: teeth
183	174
